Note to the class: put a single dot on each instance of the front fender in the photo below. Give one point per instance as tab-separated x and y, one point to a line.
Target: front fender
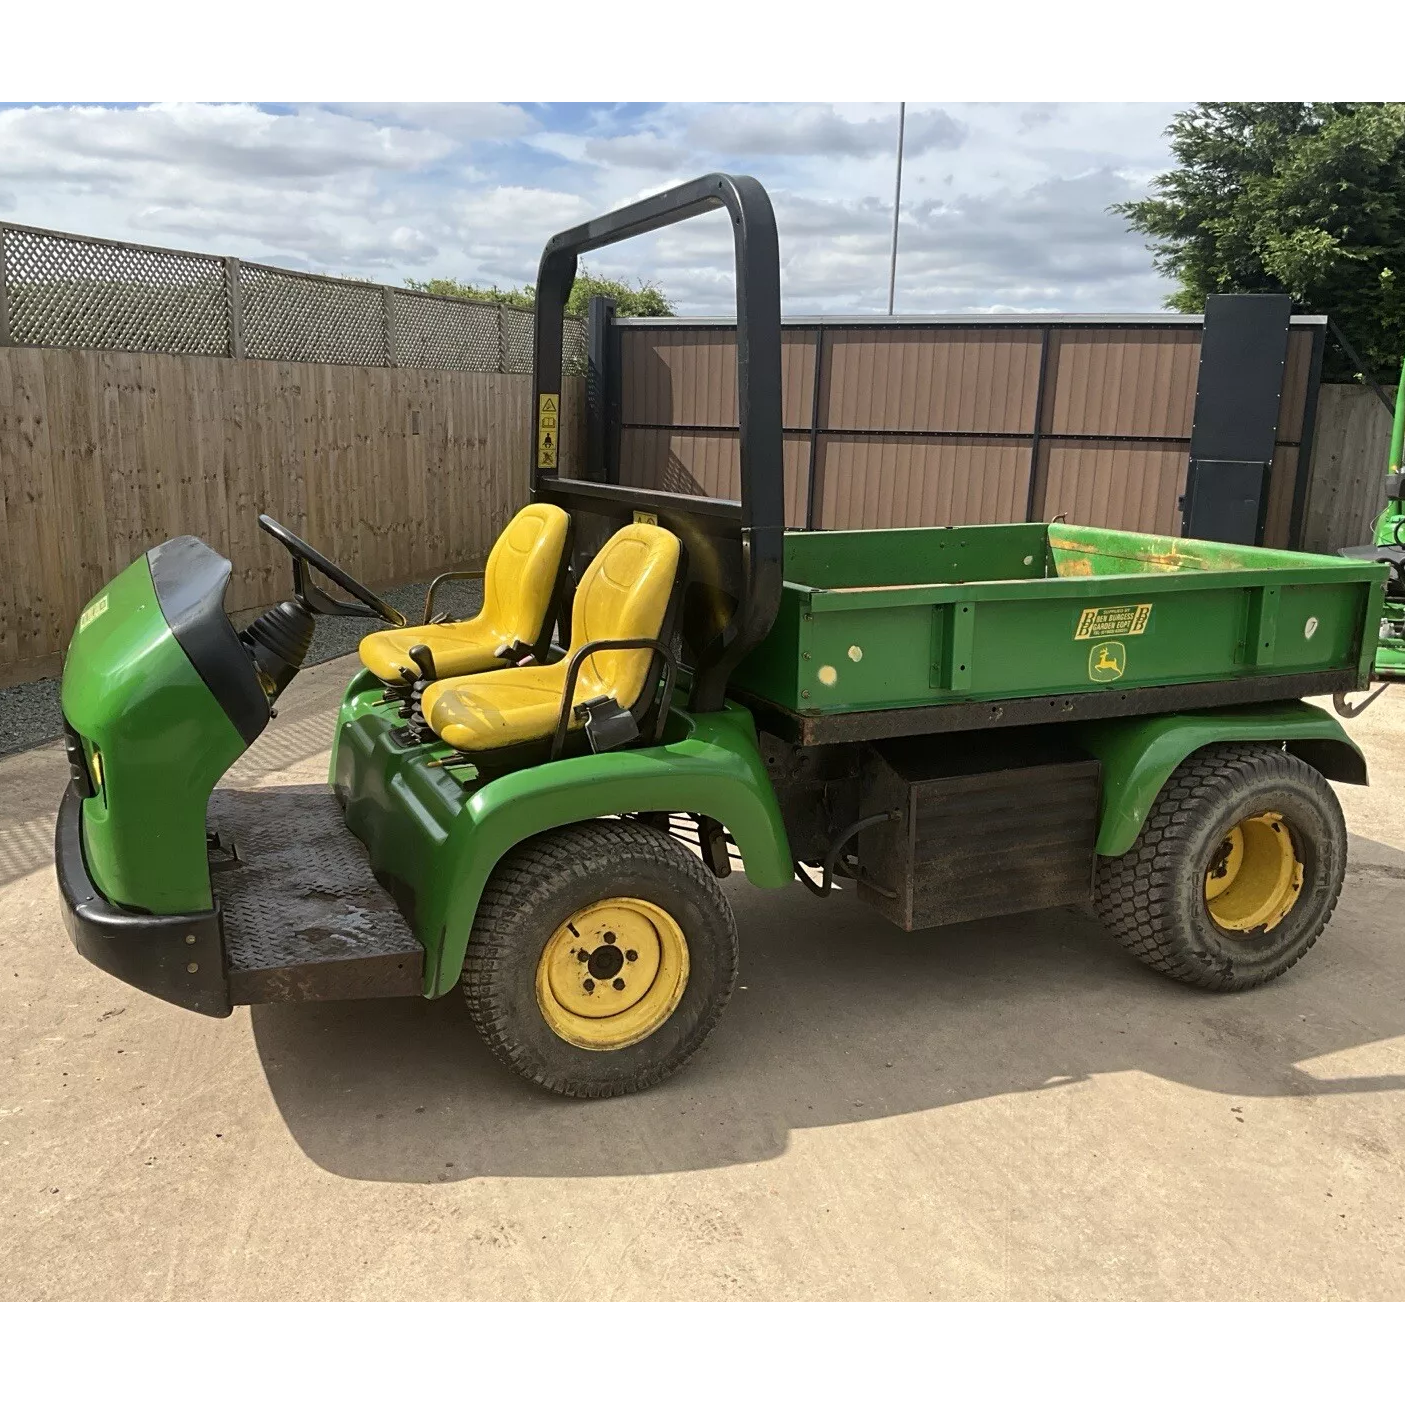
1138	754
715	769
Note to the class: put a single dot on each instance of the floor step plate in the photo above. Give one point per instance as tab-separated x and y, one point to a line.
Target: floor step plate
304	918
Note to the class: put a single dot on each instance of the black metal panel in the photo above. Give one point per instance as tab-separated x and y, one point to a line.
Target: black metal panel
304	917
976	844
602	383
1225	500
830	728
1238	393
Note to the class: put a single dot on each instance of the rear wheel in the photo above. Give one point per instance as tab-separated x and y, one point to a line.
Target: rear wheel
600	959
1235	872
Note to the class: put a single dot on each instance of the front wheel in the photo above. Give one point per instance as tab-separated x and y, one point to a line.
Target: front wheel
1235	872
600	959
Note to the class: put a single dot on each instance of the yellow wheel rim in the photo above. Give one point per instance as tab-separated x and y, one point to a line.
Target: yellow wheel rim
612	974
1254	877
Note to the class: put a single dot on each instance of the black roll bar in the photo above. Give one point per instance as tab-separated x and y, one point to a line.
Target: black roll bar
760	515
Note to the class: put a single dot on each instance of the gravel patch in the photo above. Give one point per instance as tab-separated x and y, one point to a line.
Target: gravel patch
30	714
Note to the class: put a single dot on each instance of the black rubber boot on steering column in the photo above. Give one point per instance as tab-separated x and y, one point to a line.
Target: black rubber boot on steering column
278	642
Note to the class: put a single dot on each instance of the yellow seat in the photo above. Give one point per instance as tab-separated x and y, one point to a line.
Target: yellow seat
624	594
517	587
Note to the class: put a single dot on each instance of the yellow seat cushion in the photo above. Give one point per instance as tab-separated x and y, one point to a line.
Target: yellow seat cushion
624	594
517	586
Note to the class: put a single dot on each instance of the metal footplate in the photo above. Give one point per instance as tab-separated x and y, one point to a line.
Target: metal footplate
303	915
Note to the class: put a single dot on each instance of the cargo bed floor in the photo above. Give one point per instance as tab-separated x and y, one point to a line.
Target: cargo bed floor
304	918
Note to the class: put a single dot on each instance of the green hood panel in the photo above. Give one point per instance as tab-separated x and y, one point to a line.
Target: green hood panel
130	692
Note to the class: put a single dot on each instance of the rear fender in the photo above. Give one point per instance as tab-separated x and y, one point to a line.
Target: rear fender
1138	754
715	769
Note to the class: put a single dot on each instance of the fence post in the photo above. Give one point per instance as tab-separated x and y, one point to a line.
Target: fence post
4	293
234	300
1036	504
388	319
817	412
502	343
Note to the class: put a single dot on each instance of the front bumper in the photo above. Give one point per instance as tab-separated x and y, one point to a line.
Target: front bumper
177	957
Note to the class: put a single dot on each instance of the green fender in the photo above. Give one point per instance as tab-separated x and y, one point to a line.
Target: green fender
714	769
1138	754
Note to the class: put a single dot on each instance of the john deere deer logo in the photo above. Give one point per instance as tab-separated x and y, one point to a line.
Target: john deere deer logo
1107	662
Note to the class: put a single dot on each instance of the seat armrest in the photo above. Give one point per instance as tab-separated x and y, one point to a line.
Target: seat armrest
563	720
437	582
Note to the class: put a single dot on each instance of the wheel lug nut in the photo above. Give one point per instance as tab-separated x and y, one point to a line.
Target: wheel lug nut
609	938
631	956
618	984
582	955
589	984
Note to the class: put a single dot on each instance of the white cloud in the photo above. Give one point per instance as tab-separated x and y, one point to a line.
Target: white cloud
793	130
1004	204
464	121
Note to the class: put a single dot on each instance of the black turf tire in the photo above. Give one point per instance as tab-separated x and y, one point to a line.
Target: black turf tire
536	888
1152	898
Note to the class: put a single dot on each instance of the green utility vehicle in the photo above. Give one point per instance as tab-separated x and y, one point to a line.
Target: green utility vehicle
540	803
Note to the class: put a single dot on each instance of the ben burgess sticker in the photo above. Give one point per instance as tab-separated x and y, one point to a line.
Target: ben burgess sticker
1112	621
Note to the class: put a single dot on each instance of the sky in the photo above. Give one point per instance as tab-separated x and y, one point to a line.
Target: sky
1005	205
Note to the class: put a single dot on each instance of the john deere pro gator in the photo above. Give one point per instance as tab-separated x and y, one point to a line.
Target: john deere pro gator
540	803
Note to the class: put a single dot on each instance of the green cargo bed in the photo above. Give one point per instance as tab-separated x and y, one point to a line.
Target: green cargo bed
883	633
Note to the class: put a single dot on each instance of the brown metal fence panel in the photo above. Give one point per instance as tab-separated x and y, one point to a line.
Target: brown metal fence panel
904	482
707	465
1134	382
1135	487
954	420
690	378
954	380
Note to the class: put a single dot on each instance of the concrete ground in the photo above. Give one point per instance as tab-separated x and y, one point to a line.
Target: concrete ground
1007	1109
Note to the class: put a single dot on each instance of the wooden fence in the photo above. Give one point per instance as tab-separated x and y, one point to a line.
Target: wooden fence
1348	467
397	473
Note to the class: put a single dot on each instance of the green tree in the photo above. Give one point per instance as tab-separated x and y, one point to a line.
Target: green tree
642	300
1285	197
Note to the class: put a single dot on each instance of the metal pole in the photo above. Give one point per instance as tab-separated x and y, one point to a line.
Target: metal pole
897	203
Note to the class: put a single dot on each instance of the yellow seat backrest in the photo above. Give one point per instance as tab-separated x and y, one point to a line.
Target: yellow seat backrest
521	571
624	594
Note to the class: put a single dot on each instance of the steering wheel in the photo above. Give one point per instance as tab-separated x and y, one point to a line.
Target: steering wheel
366	605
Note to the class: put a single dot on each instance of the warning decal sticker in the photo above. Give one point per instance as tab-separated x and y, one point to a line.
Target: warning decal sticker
98	607
548	430
1109	621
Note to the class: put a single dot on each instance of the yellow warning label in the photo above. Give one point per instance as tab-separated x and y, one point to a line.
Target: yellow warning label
98	607
650	519
548	430
1108	621
1107	662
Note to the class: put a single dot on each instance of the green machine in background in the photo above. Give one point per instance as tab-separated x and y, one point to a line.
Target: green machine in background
1388	546
952	723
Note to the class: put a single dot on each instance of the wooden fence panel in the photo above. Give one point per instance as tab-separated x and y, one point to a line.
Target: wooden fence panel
1347	489
398	473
